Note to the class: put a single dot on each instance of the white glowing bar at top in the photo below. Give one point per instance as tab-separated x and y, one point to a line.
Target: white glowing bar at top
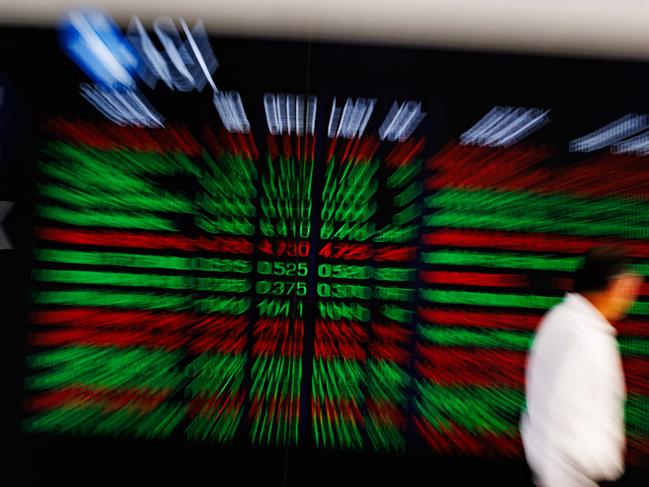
311	108
503	126
351	120
230	108
124	108
101	50
286	113
197	51
530	121
401	121
299	115
610	134
332	128
485	123
270	107
638	144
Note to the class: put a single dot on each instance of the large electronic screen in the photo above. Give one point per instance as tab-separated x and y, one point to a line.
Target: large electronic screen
254	245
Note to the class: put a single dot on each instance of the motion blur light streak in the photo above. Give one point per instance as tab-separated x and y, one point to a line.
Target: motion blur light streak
526	242
94	42
638	145
350	120
401	121
504	126
183	66
122	107
299	118
231	111
611	134
173	139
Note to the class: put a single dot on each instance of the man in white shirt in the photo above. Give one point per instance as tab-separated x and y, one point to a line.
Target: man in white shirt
573	430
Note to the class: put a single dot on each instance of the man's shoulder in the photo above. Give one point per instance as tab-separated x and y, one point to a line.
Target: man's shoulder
560	312
559	321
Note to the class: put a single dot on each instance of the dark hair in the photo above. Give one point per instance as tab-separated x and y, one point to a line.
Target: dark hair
600	264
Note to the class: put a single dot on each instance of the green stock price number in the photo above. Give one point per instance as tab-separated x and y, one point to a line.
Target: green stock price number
288	269
281	288
343	291
344	271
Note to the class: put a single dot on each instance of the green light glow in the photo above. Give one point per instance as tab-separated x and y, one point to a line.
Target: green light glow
343	291
281	288
276	387
233	176
215	374
509	340
125	161
407	215
113	258
219	425
396	233
221	304
288	269
548	207
634	346
507	300
384	436
285	228
274	308
353	183
225	225
136	300
219	206
457	219
348	311
359	213
390	293
502	260
336	383
335	378
359	232
101	367
387	382
409	194
113	219
477	409
154	200
394	274
223	285
396	313
97	421
221	265
402	175
459	337
345	271
489	299
333	429
114	278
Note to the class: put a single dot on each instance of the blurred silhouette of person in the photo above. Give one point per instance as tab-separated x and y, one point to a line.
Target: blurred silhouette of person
573	429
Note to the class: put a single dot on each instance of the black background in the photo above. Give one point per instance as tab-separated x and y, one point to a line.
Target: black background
456	89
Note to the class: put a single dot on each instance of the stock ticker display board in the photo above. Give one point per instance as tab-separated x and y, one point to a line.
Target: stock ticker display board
293	244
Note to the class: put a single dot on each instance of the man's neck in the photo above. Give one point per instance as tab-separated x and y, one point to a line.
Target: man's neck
601	302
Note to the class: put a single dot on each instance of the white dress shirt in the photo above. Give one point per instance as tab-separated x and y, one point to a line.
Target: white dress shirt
573	430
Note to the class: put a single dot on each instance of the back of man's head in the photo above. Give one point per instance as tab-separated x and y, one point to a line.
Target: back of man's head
599	267
607	281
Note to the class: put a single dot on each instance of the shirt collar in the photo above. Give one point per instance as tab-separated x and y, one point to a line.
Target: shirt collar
580	303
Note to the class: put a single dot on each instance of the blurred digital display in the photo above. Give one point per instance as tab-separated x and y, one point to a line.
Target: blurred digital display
264	257
187	281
